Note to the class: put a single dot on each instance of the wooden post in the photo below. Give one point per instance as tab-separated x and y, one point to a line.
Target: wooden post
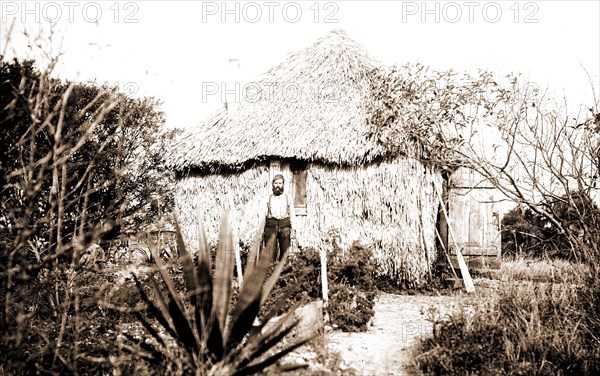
324	283
236	242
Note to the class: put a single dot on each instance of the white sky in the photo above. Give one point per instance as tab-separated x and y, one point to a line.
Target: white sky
171	50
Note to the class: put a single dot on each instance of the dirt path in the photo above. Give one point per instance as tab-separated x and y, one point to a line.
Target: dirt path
385	348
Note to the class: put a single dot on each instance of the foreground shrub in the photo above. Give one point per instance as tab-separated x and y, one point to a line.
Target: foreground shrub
56	327
352	289
531	329
77	162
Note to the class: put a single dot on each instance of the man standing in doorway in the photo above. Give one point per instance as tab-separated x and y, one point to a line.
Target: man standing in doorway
278	224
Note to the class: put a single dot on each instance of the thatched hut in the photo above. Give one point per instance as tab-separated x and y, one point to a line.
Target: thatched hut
306	118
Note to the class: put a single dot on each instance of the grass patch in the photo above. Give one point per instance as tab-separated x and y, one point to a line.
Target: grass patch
556	271
527	328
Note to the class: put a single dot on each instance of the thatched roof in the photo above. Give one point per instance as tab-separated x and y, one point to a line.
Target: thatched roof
310	107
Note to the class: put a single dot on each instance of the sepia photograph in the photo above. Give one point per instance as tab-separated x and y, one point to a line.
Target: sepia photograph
295	188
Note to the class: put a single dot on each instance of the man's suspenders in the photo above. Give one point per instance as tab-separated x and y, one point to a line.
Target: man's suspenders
287	206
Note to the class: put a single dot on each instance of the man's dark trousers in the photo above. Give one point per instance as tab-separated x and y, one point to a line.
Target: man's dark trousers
280	230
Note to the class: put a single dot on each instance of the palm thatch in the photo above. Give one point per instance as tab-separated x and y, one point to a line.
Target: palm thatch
310	107
390	206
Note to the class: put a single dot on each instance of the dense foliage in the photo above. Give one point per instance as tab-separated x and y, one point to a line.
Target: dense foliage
38	341
527	233
352	289
431	111
78	163
89	147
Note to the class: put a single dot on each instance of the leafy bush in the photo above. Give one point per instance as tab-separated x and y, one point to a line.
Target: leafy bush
106	146
521	233
56	327
352	289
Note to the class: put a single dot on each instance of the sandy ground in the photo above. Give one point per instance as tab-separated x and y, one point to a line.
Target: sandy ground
385	348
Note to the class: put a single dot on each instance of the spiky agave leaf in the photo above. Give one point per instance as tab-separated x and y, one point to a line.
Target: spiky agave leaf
253	368
189	273
248	304
159	309
150	329
282	301
211	334
183	327
197	286
142	349
176	307
259	346
255	248
269	330
166	309
223	280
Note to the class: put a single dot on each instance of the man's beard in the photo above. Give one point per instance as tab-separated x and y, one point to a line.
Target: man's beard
277	191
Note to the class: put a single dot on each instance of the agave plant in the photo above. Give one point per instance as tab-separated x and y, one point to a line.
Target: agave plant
216	336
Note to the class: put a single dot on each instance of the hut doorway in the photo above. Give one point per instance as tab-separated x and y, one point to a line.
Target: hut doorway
296	174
